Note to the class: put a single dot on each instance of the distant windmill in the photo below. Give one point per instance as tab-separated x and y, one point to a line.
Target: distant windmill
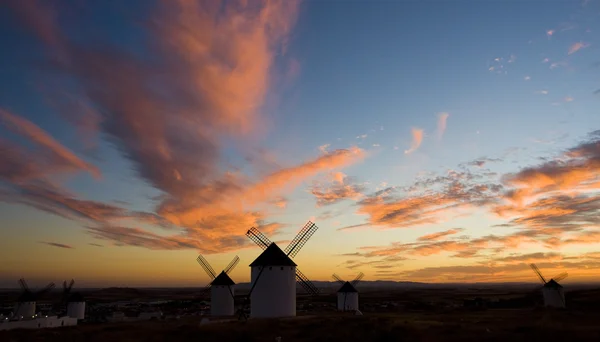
26	302
347	295
552	291
74	301
275	295
221	287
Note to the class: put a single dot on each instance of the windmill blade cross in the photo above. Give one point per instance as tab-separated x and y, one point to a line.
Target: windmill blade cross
358	278
301	238
206	266
46	289
560	277
258	238
70	284
23	284
337	278
537	271
308	286
232	264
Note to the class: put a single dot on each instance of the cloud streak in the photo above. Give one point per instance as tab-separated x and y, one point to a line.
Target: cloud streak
417	139
439	235
53	155
577	46
441	124
212	67
55	244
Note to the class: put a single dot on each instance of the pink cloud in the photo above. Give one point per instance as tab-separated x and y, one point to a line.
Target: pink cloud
52	155
441	124
577	46
417	138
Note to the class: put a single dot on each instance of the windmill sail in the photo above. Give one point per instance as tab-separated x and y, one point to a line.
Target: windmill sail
539	274
301	238
232	264
337	278
258	238
306	284
206	266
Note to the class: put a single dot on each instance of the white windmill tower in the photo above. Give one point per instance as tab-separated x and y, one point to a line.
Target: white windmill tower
347	295
221	288
26	303
75	301
275	294
552	291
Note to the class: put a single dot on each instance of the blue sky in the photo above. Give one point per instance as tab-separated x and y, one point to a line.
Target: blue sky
160	108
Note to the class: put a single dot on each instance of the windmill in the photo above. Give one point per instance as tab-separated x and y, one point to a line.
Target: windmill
552	291
347	295
26	302
275	295
74	301
221	287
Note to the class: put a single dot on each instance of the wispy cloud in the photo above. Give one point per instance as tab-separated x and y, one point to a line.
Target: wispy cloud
211	71
417	138
339	190
323	148
577	46
427	200
56	244
439	235
54	156
441	124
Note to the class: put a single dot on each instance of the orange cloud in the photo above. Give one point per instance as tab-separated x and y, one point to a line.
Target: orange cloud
441	124
530	258
291	177
56	154
417	138
437	236
212	67
343	188
427	200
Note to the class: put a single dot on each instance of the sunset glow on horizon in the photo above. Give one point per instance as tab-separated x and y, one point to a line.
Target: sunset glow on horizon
450	141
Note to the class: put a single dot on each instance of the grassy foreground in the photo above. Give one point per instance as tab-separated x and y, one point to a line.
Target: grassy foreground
491	325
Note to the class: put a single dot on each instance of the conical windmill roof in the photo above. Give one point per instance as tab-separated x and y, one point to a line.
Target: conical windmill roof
222	279
273	256
553	284
347	287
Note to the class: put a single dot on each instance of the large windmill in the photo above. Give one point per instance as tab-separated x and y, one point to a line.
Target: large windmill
74	301
275	295
221	287
347	295
552	291
26	302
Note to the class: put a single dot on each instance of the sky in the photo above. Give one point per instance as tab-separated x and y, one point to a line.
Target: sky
430	141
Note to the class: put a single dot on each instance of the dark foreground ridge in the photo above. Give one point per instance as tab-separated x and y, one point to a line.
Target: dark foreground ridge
499	325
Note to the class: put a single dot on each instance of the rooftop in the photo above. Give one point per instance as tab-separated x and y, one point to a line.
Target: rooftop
273	256
347	287
222	279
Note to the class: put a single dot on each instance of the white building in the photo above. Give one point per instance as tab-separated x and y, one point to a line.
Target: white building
76	306
347	298
554	295
25	309
274	294
39	323
221	295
